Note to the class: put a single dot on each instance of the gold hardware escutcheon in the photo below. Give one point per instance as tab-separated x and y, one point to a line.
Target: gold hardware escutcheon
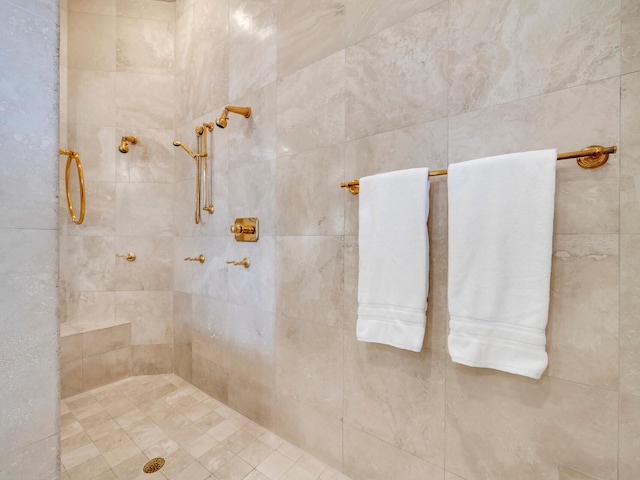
245	262
199	258
246	229
130	257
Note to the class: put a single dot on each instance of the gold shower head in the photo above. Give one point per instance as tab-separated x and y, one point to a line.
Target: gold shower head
124	144
221	121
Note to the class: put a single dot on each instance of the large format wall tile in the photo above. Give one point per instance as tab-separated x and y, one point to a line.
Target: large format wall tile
368	458
403	391
147	9
309	275
251	140
97	146
412	54
28	332
251	344
309	364
92	42
584	307
100	210
21	464
150	315
144	46
252	193
92	97
150	160
629	308
100	7
308	200
503	426
310	429
142	209
366	17
211	331
144	100
255	286
308	32
310	110
89	263
152	269
630	36
630	154
252	50
629	463
29	124
509	50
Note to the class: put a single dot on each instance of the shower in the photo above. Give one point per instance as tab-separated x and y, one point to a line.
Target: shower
221	121
124	144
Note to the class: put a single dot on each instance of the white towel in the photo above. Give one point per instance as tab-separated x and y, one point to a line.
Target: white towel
394	253
500	238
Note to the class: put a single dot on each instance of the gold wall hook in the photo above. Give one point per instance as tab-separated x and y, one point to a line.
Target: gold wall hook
199	258
130	257
245	262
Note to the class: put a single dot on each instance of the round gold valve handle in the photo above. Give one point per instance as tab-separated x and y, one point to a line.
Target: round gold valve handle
131	257
237	228
245	262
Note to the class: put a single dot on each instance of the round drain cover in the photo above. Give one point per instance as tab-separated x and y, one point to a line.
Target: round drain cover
153	465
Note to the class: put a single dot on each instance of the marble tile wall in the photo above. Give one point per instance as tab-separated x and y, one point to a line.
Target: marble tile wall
29	387
119	64
345	89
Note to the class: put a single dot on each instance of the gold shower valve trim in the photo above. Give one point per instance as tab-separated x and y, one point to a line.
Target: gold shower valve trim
245	262
199	258
130	257
246	229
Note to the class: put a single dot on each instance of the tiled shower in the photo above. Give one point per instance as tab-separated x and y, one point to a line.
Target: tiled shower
338	90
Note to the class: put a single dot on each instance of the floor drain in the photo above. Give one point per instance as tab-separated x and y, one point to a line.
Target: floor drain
153	465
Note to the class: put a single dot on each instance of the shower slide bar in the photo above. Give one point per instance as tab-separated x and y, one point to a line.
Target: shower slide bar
74	155
590	157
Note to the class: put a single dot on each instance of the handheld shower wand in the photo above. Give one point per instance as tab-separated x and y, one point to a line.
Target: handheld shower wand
186	149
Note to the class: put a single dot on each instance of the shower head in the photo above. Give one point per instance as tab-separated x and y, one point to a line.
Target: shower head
221	121
124	144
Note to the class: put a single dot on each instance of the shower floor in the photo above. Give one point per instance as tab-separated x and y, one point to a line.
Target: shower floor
111	432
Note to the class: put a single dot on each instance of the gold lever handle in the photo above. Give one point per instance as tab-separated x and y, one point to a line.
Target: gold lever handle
131	257
245	262
199	258
237	228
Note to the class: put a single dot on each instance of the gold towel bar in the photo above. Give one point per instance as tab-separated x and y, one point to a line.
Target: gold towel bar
590	157
74	155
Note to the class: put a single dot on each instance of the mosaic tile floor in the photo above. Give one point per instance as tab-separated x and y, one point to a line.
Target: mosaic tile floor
111	432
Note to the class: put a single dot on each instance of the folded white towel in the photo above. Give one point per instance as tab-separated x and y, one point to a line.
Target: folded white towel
394	253
500	237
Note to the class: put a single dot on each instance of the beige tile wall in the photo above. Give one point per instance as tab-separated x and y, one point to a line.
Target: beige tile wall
345	89
120	82
29	369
